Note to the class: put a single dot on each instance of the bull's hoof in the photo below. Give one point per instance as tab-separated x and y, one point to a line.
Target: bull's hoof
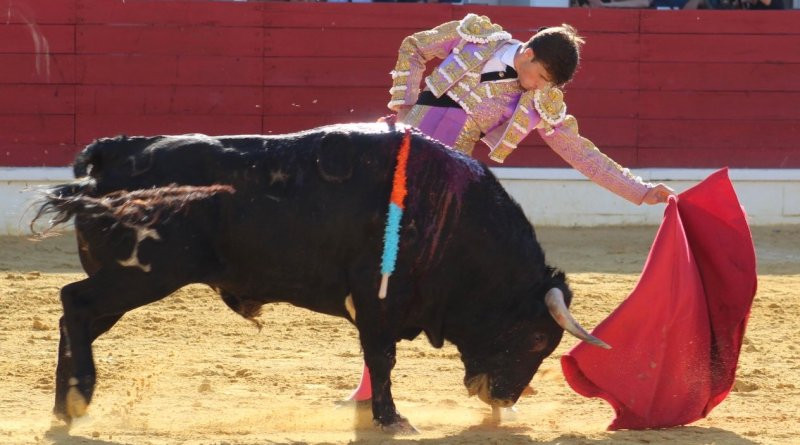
60	414
503	414
400	427
76	404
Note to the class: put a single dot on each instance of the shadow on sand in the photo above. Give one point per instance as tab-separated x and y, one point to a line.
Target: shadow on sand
59	434
368	434
486	433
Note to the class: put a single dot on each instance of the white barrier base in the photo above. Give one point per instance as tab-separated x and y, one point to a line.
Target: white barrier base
563	197
549	196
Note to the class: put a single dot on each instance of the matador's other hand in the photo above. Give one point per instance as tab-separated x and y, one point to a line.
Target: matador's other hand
658	193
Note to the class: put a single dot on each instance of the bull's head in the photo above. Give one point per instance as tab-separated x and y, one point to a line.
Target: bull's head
500	373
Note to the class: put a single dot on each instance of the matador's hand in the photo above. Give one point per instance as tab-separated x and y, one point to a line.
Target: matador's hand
658	193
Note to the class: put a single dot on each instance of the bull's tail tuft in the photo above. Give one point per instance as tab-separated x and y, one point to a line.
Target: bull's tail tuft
62	202
139	209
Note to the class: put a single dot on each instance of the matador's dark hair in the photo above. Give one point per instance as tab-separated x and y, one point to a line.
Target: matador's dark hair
558	49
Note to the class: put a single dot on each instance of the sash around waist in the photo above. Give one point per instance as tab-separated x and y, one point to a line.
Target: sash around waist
428	98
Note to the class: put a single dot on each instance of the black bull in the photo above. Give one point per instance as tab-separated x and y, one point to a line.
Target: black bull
300	219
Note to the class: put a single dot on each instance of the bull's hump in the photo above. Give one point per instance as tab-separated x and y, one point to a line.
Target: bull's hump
358	127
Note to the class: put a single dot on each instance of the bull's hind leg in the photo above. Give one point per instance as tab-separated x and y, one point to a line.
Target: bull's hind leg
91	307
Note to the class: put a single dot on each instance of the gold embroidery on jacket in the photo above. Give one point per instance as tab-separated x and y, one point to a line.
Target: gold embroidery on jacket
516	128
468	136
583	155
415	115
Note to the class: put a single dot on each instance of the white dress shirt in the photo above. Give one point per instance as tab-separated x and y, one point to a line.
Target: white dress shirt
502	58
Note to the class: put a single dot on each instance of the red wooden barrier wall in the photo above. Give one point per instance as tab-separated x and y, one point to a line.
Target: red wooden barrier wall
656	88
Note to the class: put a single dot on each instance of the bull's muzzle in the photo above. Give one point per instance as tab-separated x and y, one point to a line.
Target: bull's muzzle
479	385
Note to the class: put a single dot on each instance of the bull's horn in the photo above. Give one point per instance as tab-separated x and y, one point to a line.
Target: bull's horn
558	309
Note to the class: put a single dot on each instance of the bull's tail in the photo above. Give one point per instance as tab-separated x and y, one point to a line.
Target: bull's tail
62	201
136	209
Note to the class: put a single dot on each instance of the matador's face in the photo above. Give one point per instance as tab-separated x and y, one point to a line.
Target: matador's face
532	75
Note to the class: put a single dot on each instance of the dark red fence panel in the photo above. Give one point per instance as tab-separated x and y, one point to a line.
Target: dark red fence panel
655	89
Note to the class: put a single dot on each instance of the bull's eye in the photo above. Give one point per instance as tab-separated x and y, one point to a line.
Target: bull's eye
539	341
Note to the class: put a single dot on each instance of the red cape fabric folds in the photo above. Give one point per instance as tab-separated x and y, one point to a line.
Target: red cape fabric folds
676	338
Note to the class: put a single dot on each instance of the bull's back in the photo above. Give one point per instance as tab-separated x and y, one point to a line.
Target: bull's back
307	207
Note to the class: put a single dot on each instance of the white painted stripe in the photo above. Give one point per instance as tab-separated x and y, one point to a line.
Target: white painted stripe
32	174
768	195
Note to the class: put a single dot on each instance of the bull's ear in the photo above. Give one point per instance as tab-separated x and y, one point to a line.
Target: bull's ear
335	157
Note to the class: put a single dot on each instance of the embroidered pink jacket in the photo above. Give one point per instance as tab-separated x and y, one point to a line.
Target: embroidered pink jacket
502	110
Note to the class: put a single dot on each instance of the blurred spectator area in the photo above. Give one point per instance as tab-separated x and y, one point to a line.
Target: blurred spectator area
686	4
628	4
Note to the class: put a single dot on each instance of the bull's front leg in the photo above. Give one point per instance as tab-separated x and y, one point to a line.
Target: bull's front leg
75	373
65	370
91	307
380	358
376	320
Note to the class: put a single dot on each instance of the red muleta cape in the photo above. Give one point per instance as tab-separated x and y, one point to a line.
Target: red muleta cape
676	338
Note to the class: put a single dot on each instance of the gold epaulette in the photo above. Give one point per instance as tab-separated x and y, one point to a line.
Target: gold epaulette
479	29
549	103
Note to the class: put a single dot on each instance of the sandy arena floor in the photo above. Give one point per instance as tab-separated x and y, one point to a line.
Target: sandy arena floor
187	370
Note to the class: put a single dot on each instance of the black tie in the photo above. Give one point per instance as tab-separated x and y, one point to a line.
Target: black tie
509	73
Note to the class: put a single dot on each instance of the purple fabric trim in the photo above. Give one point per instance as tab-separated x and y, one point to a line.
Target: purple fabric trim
443	124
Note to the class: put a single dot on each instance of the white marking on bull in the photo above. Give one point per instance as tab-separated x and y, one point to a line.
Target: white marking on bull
141	235
351	309
138	170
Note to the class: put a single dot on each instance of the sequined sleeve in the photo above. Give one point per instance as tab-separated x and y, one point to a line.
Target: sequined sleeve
585	157
415	50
